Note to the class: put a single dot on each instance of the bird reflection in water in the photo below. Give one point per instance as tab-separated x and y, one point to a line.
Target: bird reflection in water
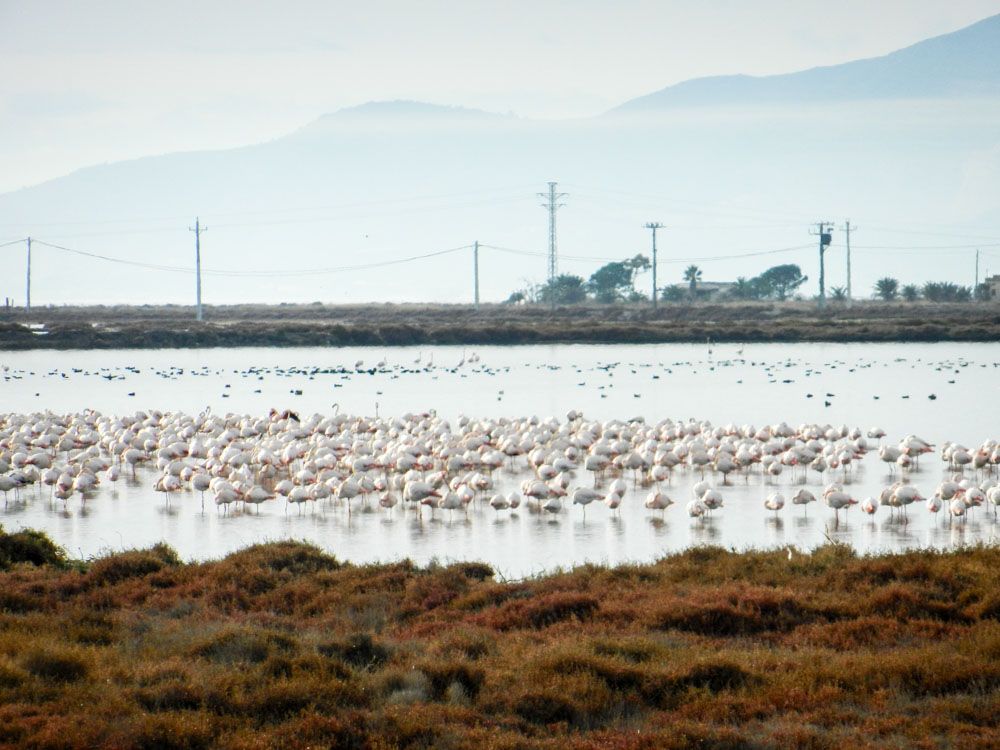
705	529
660	526
777	525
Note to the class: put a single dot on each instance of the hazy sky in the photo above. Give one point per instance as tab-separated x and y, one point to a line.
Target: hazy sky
104	80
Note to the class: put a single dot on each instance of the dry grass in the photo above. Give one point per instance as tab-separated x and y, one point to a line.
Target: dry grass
282	646
408	324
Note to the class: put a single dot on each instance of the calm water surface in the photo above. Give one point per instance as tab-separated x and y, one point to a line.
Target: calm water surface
859	385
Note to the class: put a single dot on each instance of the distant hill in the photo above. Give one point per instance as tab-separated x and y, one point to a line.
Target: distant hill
391	180
402	110
961	64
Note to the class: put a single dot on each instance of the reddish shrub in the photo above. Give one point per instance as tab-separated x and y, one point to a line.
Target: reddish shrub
541	611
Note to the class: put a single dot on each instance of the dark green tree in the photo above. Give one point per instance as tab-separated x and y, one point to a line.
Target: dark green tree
744	288
614	282
565	289
779	282
672	293
692	275
946	291
983	293
838	294
910	292
887	288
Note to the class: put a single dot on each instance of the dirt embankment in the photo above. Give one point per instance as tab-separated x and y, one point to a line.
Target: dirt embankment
400	325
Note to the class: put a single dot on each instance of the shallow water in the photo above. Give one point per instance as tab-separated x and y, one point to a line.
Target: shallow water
857	385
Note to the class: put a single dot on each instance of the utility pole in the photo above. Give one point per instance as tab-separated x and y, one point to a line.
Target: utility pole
654	225
475	270
824	231
552	204
847	230
198	229
27	298
974	288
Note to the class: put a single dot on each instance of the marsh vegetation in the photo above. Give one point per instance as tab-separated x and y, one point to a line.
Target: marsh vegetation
282	645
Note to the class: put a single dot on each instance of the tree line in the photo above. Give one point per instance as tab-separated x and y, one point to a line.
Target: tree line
889	290
616	282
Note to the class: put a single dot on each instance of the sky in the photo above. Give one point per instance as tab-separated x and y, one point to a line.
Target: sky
101	81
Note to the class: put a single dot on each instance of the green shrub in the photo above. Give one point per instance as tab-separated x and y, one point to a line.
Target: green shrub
29	546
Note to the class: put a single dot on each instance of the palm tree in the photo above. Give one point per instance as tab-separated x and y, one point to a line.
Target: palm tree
838	294
692	275
886	288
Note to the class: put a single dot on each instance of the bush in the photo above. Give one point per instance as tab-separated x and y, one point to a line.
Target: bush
358	650
243	645
54	664
181	731
11	675
29	546
542	611
294	558
132	564
444	675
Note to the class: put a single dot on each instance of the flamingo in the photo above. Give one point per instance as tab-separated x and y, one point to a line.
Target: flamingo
836	498
803	497
498	502
656	500
775	502
583	496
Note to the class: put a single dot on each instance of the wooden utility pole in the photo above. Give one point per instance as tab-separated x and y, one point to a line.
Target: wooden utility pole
654	225
198	229
847	231
823	231
475	271
27	297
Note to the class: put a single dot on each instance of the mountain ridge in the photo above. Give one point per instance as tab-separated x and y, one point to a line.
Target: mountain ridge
962	63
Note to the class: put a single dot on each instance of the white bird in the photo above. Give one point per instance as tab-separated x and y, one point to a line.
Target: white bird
658	501
585	496
696	509
775	501
498	502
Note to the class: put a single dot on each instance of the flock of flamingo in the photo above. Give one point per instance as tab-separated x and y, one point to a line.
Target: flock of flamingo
423	462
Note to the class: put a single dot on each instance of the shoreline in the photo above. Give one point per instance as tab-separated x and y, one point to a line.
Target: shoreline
164	327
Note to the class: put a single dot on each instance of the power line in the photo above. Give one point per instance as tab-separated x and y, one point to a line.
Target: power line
926	247
733	211
255	273
291	209
703	259
110	259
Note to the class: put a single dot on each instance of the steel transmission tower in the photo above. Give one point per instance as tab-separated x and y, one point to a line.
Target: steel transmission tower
552	204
